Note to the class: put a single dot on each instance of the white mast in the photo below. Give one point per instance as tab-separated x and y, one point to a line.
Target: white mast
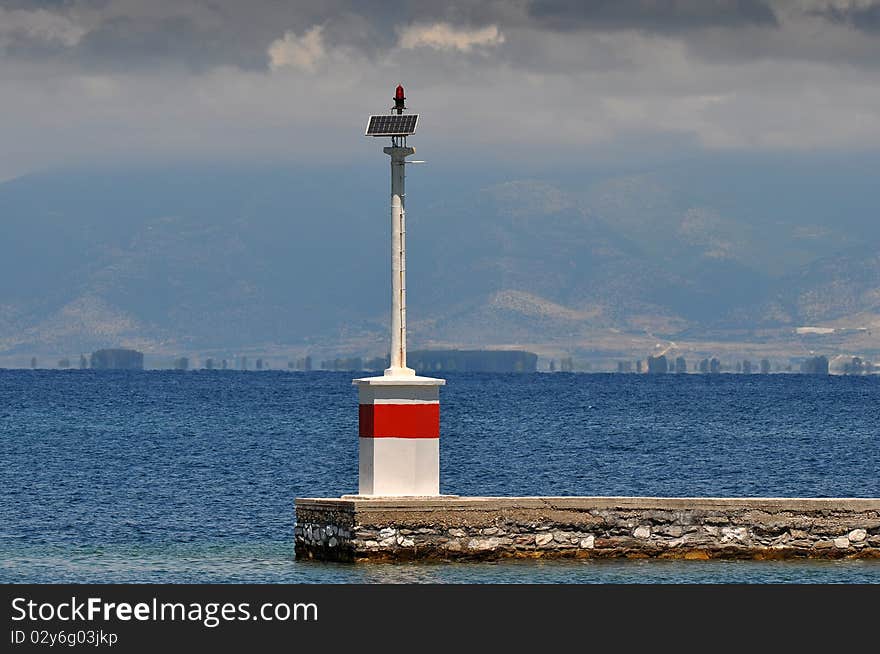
398	155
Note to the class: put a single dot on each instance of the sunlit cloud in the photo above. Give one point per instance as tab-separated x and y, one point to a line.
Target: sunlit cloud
302	52
443	36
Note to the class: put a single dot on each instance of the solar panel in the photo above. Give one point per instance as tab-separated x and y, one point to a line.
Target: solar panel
392	125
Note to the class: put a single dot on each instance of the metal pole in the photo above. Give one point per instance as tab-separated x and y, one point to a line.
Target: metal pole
398	260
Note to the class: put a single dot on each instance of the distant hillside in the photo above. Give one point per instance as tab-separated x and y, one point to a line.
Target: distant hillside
183	259
842	287
521	256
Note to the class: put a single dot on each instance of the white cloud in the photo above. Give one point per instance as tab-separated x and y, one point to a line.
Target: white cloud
443	36
303	52
39	25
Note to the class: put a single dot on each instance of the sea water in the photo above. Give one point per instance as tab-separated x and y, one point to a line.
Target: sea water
172	476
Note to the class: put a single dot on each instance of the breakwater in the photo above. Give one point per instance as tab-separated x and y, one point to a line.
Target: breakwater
354	528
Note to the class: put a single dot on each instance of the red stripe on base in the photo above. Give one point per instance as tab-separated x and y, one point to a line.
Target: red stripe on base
399	420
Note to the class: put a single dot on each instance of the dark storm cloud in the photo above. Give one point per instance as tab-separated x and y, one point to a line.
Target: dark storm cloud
668	16
199	34
33	4
863	18
188	34
124	42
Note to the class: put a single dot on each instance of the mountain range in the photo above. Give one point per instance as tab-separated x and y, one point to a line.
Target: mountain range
285	260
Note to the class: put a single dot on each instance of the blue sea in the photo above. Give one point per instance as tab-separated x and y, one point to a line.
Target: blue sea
168	476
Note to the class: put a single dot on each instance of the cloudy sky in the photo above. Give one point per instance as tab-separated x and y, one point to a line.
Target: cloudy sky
92	81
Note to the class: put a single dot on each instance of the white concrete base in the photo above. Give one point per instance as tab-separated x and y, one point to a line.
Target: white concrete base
399	467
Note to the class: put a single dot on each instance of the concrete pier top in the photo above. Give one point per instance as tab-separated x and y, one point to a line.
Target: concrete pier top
607	501
358	528
471	503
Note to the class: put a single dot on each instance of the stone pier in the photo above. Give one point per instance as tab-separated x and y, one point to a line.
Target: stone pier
355	528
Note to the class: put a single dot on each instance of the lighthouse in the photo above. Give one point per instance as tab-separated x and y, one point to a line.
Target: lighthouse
399	411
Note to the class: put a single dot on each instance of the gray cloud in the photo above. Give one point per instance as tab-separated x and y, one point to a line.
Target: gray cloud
651	15
103	79
36	4
203	34
122	42
863	17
